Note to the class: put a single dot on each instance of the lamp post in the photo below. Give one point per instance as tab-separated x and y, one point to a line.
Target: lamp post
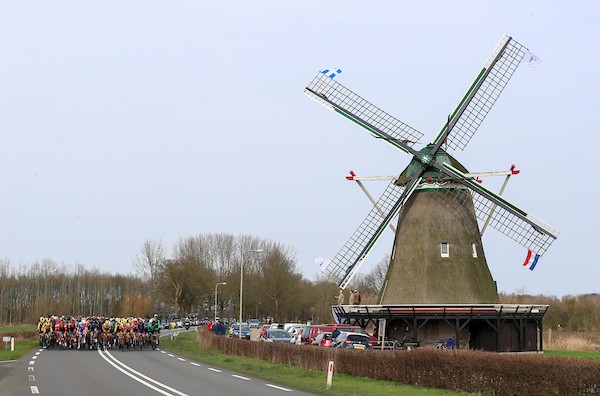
222	283
242	286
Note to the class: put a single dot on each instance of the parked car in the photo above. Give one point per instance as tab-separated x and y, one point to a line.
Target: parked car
254	323
276	335
309	333
264	329
324	339
234	330
352	341
288	326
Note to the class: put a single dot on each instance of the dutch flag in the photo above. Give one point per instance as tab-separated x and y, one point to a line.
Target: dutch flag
531	260
331	73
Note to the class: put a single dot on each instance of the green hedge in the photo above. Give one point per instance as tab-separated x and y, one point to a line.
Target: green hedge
461	370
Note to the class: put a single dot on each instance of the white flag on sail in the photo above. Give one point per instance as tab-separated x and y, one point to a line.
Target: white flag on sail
532	60
322	262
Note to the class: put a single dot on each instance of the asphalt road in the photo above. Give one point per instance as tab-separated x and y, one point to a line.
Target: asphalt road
147	372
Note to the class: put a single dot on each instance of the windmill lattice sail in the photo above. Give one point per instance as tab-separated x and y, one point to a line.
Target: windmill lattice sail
348	260
526	229
484	91
334	96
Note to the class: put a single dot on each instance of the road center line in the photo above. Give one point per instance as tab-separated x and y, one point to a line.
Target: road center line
34	389
196	364
108	357
279	387
31	378
240	377
182	359
215	370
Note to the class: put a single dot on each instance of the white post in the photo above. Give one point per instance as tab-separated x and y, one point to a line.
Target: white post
242	286
216	290
12	344
329	375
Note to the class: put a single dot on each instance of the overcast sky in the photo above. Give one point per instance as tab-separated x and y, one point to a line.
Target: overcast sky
123	121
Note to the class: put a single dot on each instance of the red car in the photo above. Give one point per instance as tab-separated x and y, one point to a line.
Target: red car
323	340
264	329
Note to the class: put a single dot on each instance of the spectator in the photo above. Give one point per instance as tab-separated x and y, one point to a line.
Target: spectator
335	333
340	297
356	297
352	296
217	328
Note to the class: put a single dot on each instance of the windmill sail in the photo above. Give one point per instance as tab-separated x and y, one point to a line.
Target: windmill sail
350	257
483	93
507	218
336	97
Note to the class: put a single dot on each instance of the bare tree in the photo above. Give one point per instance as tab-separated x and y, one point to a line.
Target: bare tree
149	263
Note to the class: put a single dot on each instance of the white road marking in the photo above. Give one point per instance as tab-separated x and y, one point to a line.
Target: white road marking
40	350
215	370
31	362
163	352
34	357
34	389
196	364
31	378
140	380
279	387
240	377
29	368
168	354
37	353
182	359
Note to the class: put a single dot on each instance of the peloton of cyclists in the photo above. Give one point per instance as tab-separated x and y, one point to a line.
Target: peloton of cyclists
78	332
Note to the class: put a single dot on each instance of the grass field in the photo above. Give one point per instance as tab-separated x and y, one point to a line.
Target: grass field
308	381
6	329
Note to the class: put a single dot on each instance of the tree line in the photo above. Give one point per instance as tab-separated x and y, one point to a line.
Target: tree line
182	279
179	280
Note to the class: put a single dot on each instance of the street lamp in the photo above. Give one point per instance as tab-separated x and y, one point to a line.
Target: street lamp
242	286
222	283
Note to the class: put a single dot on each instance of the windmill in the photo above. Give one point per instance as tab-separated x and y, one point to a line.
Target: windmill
437	254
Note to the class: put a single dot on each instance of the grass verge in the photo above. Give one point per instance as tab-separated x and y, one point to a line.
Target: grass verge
305	380
574	354
21	348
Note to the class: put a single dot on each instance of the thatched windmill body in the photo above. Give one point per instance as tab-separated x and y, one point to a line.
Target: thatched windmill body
437	255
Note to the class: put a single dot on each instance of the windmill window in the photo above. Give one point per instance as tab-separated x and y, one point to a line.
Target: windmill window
474	250
445	249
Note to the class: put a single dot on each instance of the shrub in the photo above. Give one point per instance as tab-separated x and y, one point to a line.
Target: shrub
462	370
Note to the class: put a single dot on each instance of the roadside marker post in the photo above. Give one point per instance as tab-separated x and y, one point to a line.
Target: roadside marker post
329	375
7	340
